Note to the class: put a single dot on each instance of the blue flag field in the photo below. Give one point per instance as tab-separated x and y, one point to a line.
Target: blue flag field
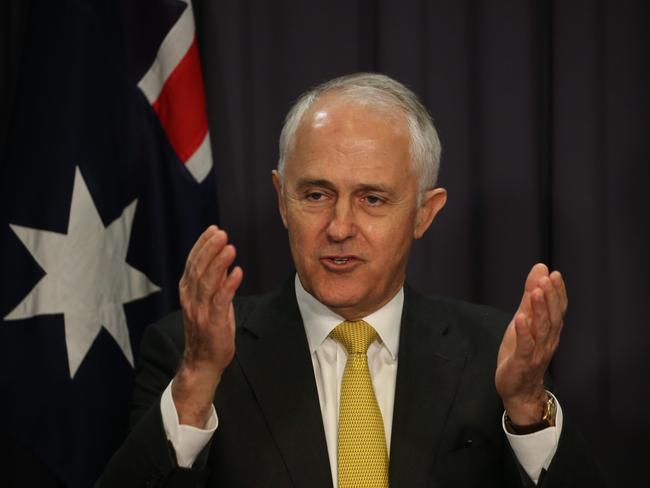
105	183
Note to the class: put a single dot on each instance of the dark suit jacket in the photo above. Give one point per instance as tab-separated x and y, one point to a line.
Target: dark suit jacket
446	423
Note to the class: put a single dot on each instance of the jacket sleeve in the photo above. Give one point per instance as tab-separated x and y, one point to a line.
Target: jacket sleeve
146	458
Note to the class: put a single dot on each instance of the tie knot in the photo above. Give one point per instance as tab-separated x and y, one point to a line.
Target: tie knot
355	336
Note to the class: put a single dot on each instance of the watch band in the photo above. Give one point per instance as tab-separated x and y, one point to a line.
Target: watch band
548	420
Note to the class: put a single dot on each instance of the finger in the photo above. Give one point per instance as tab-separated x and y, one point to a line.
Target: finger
538	271
191	294
231	284
558	310
222	300
198	245
214	276
553	304
525	340
558	283
199	286
554	314
540	320
210	250
187	283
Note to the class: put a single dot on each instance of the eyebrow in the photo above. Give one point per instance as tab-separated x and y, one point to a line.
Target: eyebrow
377	188
307	182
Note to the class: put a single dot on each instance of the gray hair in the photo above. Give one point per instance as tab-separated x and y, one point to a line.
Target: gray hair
382	92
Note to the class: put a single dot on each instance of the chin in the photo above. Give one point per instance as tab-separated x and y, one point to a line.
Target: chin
336	300
337	294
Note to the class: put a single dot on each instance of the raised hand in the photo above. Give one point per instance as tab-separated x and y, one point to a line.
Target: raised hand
528	345
206	292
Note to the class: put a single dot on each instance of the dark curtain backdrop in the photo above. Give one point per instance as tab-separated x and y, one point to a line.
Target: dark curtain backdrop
543	112
542	108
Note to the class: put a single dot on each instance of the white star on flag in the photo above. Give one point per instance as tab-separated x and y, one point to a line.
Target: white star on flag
87	277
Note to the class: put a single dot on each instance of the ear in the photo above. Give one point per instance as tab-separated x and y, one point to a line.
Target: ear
432	203
277	183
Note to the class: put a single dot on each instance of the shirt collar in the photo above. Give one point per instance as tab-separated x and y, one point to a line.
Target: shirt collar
320	321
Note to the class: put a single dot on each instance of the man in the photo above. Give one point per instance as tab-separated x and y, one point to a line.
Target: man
270	391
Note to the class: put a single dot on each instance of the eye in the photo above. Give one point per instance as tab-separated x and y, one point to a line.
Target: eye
315	196
373	200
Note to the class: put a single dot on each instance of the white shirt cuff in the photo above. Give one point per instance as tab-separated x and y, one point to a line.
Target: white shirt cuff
535	451
186	439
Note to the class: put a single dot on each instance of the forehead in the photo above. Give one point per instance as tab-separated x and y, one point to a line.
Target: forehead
336	113
343	132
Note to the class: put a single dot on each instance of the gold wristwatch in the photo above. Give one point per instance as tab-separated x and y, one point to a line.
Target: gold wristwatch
548	420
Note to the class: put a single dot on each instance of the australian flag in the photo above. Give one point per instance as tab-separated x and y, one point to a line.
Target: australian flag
105	182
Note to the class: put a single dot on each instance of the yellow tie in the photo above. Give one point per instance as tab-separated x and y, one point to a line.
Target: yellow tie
362	454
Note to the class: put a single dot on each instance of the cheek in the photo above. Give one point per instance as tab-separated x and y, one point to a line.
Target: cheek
304	229
390	240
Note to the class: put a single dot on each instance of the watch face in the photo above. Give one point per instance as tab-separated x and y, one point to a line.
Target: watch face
550	410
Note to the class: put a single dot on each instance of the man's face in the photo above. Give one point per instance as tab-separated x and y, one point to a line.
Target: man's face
349	202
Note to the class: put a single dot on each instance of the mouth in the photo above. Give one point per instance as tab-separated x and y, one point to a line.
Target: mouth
340	262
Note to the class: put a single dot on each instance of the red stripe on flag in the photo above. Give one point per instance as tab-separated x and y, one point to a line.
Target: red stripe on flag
181	105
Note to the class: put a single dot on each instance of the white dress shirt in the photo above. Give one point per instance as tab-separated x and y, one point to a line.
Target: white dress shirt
534	451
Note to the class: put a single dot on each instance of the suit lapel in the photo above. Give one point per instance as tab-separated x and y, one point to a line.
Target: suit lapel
273	353
431	363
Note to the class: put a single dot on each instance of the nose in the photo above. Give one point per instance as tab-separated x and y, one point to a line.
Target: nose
341	225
